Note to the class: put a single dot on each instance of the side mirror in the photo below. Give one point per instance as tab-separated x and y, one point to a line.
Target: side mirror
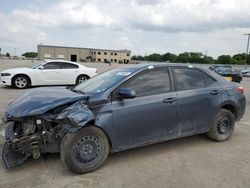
127	93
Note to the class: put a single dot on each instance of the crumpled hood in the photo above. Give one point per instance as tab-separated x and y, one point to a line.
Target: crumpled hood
40	100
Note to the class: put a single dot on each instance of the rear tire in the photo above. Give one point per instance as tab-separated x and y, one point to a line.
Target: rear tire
85	150
21	81
82	78
223	126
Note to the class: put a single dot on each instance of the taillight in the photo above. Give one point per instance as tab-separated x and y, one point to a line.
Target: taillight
240	89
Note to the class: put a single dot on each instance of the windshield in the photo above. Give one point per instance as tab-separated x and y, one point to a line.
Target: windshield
103	81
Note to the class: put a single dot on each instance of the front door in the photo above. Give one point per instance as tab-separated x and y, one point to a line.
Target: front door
49	75
149	117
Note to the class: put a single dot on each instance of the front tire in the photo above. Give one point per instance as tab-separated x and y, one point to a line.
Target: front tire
85	150
223	126
20	82
82	78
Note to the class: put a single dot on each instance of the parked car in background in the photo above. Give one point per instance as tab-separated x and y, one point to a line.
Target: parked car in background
120	109
246	72
55	72
227	72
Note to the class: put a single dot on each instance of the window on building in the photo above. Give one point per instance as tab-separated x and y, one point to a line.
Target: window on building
151	82
127	54
99	53
115	60
111	53
111	60
47	56
99	59
115	53
60	56
94	53
105	53
189	78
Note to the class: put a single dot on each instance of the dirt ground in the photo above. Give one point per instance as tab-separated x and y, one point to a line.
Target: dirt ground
187	162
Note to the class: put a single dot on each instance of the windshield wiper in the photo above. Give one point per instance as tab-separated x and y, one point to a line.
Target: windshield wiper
78	91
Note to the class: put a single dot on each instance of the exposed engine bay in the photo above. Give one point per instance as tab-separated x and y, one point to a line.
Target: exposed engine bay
33	135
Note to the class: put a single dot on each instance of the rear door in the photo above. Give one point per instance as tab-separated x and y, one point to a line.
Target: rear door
151	115
68	73
198	99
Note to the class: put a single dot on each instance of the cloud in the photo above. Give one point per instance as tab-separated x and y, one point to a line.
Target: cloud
188	16
15	34
67	14
144	26
158	15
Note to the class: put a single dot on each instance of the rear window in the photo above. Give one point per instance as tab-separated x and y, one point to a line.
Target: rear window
209	80
189	78
68	66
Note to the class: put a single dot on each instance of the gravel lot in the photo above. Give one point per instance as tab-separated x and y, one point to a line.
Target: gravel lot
187	162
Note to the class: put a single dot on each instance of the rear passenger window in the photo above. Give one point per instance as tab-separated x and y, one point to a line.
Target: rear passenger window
189	78
208	79
68	66
150	83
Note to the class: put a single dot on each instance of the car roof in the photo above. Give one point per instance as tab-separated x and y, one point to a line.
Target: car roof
148	65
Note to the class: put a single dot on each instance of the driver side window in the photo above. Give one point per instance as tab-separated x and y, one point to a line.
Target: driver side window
52	65
152	82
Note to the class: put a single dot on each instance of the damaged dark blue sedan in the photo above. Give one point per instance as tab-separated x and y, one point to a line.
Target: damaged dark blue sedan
120	109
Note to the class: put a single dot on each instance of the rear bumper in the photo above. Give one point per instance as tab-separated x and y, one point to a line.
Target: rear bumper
241	107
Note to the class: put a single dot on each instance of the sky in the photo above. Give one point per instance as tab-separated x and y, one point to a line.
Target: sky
214	27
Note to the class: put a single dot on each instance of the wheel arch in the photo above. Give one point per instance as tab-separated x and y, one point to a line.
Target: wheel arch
92	123
82	75
21	74
231	107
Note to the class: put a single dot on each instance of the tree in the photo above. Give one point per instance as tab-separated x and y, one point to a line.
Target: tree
137	57
153	57
225	59
183	57
169	57
240	58
7	54
30	54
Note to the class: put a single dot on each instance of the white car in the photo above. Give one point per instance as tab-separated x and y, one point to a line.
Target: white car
55	72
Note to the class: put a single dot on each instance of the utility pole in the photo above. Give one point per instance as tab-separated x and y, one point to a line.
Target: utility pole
248	34
14	52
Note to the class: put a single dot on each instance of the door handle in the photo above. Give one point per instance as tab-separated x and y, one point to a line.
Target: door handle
169	100
215	92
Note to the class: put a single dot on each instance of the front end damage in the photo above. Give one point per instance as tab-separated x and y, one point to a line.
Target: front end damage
30	136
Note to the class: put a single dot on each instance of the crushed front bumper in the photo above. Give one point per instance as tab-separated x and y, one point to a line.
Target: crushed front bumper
10	157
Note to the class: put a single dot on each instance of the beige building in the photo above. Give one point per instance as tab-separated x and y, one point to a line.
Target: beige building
82	54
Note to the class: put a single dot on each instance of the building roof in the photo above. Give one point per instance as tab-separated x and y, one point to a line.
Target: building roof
93	49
